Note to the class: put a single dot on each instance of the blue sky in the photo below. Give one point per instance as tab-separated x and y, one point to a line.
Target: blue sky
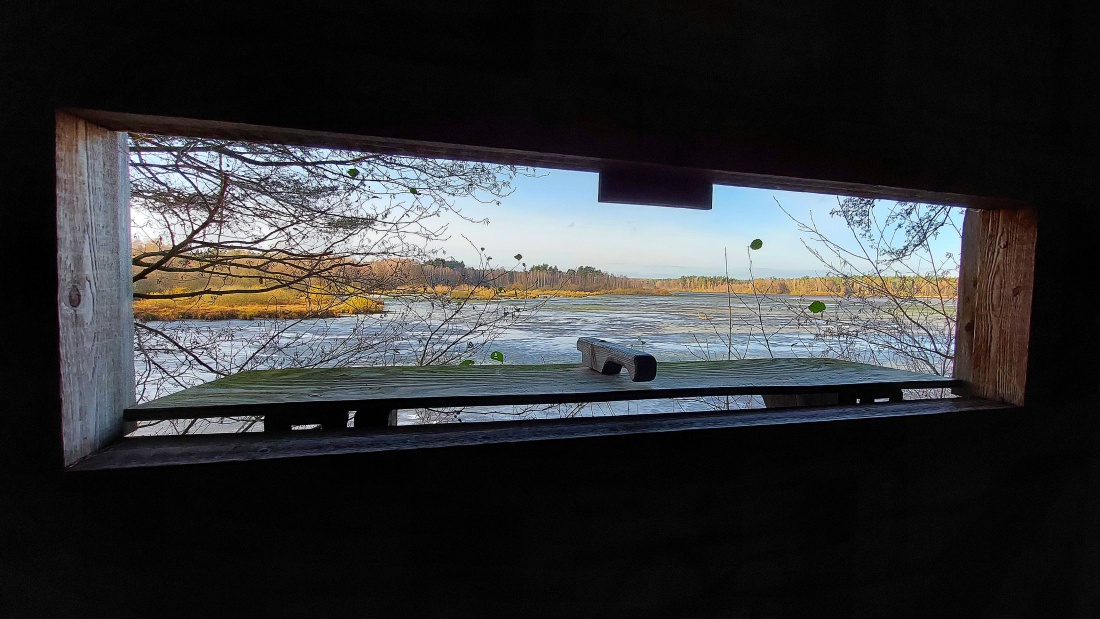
555	218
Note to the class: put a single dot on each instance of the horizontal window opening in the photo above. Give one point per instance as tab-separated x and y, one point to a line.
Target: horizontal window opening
250	257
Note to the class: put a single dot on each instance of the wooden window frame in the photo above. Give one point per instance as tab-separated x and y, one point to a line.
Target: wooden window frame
95	292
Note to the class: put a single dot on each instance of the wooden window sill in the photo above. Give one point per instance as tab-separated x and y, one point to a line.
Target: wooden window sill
142	452
328	395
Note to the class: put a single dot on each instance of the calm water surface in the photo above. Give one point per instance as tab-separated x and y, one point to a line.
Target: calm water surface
677	327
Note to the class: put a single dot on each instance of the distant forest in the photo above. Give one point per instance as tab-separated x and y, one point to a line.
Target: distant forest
441	272
450	274
442	275
183	291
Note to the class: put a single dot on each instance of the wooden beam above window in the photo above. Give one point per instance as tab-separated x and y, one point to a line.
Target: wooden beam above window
191	127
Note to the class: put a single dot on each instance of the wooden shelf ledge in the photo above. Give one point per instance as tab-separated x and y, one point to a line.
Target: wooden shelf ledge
141	452
382	389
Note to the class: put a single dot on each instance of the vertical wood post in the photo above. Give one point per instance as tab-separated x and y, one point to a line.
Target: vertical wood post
996	280
95	291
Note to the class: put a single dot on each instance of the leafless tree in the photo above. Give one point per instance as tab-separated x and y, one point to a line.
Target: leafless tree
253	218
896	305
217	217
893	302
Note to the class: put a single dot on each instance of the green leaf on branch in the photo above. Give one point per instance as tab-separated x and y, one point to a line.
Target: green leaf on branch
496	355
467	362
817	307
413	191
756	244
353	172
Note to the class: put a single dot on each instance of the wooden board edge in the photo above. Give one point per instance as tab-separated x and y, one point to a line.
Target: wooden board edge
145	452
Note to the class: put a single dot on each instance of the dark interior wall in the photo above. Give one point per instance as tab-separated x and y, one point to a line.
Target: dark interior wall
989	512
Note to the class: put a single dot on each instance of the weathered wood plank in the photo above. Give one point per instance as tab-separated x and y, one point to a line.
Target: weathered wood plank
608	358
166	451
389	388
994	309
94	284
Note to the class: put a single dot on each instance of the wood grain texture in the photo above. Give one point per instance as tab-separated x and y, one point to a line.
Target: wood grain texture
610	359
994	309
164	451
308	390
94	284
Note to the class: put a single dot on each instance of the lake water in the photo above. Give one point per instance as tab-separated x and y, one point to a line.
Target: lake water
677	327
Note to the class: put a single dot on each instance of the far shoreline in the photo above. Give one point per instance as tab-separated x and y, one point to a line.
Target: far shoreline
146	310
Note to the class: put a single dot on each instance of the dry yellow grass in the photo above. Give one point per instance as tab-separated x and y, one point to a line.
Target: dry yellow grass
251	307
289	304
